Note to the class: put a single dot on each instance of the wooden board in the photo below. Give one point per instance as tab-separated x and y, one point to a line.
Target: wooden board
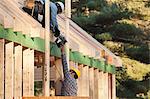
8	21
58	67
1	69
113	86
9	70
26	65
91	84
79	81
31	72
18	25
1	19
110	86
85	81
18	73
100	86
56	97
96	83
105	85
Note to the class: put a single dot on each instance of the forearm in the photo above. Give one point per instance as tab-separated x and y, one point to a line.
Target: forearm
64	63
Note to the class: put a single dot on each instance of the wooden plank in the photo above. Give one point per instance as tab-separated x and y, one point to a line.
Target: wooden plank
18	25
79	82
46	80
56	97
5	19
59	76
31	72
113	86
2	68
91	84
9	70
1	19
26	65
96	83
18	73
100	86
110	86
105	85
8	21
85	81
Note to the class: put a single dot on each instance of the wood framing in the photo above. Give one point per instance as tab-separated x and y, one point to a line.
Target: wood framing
100	85
79	82
91	84
85	81
9	70
2	68
113	87
105	75
26	75
59	76
31	72
96	83
110	86
56	97
18	72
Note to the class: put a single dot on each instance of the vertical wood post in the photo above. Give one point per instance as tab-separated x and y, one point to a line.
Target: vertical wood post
59	74
31	74
18	72
68	15
79	93
91	84
100	86
85	81
105	85
46	81
96	71
110	86
113	86
9	70
1	68
26	72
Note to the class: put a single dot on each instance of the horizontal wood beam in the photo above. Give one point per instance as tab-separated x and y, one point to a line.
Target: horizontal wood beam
56	97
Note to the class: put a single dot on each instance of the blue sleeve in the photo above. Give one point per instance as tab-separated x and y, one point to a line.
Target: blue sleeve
53	16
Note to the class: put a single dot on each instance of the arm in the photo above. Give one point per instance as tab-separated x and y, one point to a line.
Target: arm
64	62
54	23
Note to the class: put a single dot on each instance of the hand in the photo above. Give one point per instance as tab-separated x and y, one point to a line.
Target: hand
62	49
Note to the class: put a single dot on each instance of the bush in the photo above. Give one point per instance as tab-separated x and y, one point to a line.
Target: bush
104	36
84	21
140	53
110	14
125	30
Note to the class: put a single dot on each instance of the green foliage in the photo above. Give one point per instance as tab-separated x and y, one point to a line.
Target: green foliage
111	14
137	52
104	36
115	47
140	53
96	4
91	4
125	30
131	82
84	21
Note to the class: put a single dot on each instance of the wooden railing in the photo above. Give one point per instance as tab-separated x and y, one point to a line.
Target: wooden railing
56	97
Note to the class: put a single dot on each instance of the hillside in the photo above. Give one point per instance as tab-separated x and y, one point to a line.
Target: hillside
124	27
